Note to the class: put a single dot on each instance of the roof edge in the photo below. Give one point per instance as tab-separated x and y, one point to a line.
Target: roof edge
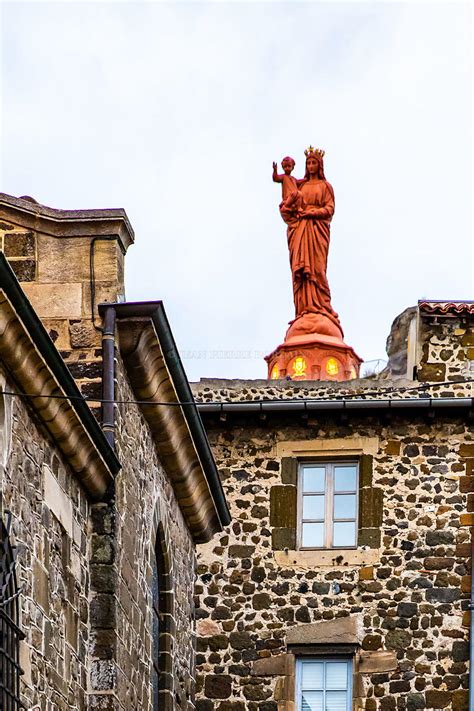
154	310
69	223
61	378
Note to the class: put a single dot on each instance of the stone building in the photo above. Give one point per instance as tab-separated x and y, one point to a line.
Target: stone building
343	581
103	506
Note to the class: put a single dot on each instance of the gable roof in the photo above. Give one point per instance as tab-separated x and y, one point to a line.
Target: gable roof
38	370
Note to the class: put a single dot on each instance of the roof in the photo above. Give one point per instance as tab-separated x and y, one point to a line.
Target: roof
37	368
157	376
68	223
447	308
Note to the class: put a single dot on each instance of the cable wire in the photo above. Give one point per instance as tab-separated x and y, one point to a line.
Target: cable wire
360	395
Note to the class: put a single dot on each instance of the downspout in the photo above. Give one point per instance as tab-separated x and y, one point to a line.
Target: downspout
108	376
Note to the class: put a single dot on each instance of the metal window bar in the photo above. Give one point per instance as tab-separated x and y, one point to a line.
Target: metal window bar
329	493
10	632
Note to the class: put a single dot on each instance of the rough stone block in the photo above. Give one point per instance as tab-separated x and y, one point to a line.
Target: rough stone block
370	507
19	244
103	611
55	300
283	506
366	573
432	373
218	686
343	630
283	538
41	585
366	470
289	470
25	269
57	500
84	335
271	666
436	699
377	662
466	450
369	537
392	448
443	595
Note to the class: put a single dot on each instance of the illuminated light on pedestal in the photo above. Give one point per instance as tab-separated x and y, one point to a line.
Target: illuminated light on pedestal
275	374
332	366
298	368
313	357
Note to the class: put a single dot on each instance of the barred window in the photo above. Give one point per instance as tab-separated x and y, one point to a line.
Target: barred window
10	633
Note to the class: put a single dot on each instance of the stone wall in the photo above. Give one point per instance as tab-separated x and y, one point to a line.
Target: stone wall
399	601
123	547
86	569
50	527
446	348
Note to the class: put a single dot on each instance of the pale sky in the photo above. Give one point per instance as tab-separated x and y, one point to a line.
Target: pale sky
175	112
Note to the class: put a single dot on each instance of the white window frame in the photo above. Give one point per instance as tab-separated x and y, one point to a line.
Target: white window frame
299	674
328	520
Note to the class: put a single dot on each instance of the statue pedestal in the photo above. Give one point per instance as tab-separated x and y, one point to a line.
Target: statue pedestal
313	356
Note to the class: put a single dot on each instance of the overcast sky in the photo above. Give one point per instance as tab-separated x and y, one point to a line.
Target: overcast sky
175	111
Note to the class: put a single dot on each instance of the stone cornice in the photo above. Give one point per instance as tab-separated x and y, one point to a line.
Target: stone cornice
151	381
31	215
33	373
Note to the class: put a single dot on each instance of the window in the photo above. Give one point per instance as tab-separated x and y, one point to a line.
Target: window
10	633
324	685
328	505
155	672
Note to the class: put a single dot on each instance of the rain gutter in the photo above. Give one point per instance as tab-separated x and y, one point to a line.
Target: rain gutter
342	405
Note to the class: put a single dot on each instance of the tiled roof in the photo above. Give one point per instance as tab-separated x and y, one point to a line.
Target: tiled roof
445	308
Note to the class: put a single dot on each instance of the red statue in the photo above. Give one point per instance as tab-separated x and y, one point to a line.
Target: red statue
307	208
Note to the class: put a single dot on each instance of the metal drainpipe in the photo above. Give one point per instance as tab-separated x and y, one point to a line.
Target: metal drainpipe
108	376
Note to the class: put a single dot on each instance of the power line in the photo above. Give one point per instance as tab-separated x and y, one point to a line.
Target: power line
348	396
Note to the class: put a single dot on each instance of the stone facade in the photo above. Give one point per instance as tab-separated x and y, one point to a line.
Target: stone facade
51	513
125	533
108	573
398	603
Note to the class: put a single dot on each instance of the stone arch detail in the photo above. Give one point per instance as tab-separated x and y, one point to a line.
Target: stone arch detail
162	558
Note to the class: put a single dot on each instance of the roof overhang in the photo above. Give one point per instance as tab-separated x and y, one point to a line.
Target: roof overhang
29	214
42	377
160	386
446	308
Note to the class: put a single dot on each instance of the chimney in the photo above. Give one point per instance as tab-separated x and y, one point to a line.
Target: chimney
67	262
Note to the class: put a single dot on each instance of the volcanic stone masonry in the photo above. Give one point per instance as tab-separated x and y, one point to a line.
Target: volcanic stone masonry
399	600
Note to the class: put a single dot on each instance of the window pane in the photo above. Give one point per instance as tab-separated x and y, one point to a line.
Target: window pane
336	701
345	506
345	478
344	534
336	675
312	701
313	507
313	534
314	478
312	675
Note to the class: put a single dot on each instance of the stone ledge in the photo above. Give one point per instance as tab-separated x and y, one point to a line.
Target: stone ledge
343	446
343	558
342	630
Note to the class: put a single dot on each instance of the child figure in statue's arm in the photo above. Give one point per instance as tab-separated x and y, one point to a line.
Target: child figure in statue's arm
290	184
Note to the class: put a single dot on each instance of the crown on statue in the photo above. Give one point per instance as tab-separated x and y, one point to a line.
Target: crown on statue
314	151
